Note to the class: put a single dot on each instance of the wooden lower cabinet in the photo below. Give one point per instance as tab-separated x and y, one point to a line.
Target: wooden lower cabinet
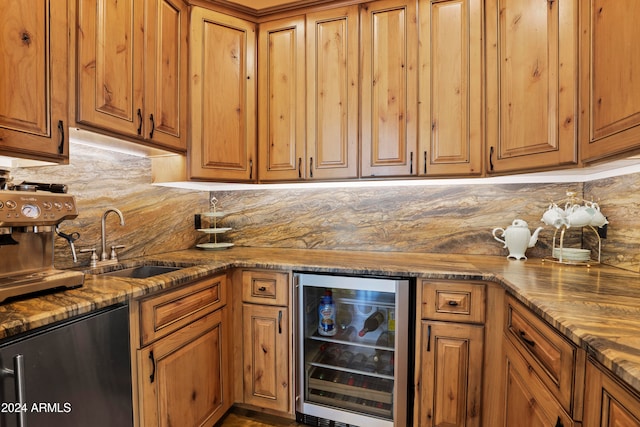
608	403
451	374
450	352
264	349
181	346
183	376
266	356
528	403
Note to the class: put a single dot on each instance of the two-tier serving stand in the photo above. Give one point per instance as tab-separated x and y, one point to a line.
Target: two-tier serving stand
573	256
213	230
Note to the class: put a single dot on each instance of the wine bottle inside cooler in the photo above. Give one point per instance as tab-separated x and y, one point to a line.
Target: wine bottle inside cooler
372	323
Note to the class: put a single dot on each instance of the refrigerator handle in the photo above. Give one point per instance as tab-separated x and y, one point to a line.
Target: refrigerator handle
18	373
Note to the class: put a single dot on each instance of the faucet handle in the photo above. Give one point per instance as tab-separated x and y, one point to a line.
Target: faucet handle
114	256
93	261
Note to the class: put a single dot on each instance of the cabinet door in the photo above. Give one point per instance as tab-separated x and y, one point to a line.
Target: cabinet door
332	93
110	42
610	85
266	356
165	103
223	91
184	377
281	133
527	401
450	87
608	403
389	43
531	84
34	79
451	374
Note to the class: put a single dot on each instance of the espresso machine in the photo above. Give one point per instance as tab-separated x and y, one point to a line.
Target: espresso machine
29	217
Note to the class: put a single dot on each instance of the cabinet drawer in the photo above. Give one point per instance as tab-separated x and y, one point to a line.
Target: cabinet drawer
528	402
265	287
453	301
169	311
556	360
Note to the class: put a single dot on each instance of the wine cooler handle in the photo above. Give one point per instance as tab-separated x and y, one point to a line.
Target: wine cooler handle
429	338
280	321
18	373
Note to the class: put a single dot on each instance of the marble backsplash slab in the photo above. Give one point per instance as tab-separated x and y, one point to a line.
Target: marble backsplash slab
157	219
443	218
619	199
434	219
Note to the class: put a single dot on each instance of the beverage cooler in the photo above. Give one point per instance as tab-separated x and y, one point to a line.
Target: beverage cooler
354	354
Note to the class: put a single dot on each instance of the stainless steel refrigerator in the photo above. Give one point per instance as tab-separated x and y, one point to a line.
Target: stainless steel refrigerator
352	375
74	373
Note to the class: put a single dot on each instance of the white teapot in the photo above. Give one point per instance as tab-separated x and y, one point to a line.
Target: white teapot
517	238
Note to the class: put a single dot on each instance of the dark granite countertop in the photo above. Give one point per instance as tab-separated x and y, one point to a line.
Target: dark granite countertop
597	308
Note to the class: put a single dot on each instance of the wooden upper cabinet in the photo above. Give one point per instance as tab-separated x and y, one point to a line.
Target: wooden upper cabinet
531	84
34	100
450	58
332	93
223	92
281	99
129	84
110	65
389	116
166	81
610	87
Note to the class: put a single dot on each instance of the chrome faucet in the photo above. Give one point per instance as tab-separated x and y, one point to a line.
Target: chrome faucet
103	256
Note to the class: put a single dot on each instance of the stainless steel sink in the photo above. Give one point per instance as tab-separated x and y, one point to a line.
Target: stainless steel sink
142	271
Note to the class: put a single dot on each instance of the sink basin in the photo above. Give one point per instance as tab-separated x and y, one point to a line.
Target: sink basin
142	271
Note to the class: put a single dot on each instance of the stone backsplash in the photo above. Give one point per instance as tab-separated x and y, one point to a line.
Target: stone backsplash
435	219
157	219
442	218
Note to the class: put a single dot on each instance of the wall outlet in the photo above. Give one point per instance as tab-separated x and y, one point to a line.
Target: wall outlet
602	231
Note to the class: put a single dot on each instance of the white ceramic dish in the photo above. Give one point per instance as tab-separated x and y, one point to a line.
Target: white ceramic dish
214	246
213	214
214	230
572	254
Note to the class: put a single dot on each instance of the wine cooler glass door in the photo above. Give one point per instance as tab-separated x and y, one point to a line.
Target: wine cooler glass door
350	353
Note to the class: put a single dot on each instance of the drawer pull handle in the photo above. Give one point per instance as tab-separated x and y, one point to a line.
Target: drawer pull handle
153	371
453	303
262	288
523	337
